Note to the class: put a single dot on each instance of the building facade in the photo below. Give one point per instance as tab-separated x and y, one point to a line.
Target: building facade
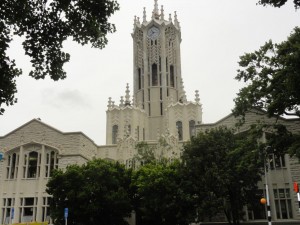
157	109
282	171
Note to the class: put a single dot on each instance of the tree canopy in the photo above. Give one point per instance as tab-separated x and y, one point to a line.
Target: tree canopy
160	195
272	76
45	25
95	193
222	169
278	3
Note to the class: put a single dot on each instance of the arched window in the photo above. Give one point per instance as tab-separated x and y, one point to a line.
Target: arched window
114	134
192	128
179	130
32	165
51	163
154	75
12	166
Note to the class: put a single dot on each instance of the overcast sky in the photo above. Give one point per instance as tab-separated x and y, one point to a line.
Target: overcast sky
214	35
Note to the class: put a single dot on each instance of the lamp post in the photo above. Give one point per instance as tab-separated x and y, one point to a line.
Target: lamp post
66	213
267	187
267	196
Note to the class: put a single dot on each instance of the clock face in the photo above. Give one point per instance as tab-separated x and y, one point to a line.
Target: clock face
153	32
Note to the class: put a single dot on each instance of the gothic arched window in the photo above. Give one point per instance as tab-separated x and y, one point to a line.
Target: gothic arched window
32	165
154	75
51	163
114	134
179	130
192	127
12	166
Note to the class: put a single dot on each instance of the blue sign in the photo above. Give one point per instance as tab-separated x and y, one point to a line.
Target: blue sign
12	213
66	213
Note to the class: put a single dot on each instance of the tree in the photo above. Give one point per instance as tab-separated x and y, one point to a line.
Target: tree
272	74
95	193
278	3
144	153
45	25
223	168
160	197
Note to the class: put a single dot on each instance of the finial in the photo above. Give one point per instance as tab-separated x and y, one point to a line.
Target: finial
175	19
170	17
109	103
127	96
155	14
134	21
144	15
197	99
183	93
162	12
155	7
121	102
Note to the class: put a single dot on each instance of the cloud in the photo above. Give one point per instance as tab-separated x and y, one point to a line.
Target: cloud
65	99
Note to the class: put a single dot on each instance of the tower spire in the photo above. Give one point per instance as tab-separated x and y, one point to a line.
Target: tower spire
144	15
127	96
162	12
155	13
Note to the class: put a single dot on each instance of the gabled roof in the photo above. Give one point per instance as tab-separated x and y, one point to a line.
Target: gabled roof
48	126
255	110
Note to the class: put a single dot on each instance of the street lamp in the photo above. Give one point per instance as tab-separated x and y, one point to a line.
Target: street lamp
267	187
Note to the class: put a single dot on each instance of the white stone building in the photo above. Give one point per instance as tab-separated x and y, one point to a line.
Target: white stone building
157	109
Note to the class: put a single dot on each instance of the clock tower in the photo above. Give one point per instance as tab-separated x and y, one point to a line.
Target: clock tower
159	107
156	65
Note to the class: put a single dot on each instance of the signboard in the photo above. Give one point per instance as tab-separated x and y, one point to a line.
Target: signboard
12	213
296	187
66	213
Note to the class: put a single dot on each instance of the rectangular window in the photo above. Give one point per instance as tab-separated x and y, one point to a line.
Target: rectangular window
283	203
46	210
172	76
160	93
143	103
167	79
8	204
159	63
154	75
149	95
276	161
28	209
167	64
139	79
